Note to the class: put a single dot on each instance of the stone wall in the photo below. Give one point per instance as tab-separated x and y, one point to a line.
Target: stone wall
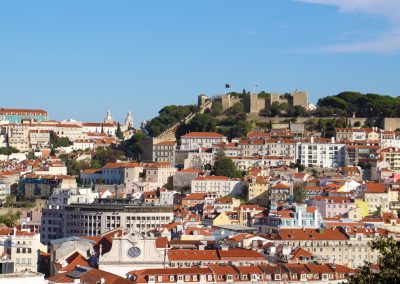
391	123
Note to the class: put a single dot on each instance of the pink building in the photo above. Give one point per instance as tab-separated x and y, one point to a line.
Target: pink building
331	206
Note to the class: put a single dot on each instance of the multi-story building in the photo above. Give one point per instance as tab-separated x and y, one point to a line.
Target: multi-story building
86	218
279	192
262	273
270	147
258	190
160	173
97	127
18	137
245	163
197	140
321	153
221	185
330	245
17	115
32	186
113	173
71	131
331	206
53	223
164	151
39	138
377	197
391	155
296	217
21	247
106	214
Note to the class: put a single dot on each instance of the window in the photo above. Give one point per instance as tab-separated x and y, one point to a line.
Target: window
171	278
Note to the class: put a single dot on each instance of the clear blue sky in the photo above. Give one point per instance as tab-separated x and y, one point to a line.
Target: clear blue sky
77	59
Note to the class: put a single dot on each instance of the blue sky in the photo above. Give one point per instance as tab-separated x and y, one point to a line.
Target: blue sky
77	59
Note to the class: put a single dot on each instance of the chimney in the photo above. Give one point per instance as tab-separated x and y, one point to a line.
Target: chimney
332	140
14	232
312	139
102	280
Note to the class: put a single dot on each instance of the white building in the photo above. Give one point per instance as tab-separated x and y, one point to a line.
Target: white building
22	248
196	140
221	185
321	153
53	223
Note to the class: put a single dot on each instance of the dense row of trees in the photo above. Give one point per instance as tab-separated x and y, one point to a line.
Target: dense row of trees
8	150
362	105
167	117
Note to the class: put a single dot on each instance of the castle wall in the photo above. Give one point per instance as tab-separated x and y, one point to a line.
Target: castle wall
391	123
226	101
300	99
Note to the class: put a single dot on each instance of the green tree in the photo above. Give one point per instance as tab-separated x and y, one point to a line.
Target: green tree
167	117
106	155
216	108
57	141
118	132
134	147
10	219
8	150
201	122
389	264
237	110
299	194
223	166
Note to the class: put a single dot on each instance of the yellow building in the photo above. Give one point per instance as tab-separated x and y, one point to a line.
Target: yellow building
226	218
258	191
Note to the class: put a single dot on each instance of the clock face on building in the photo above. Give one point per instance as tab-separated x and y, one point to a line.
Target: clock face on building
134	252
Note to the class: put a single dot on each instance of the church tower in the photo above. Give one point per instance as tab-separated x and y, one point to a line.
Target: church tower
129	119
108	118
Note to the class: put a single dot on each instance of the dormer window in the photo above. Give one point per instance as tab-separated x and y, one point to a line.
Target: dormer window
277	277
171	278
229	277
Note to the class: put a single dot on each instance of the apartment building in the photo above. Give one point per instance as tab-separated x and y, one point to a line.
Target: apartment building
324	153
331	245
197	140
18	137
262	273
18	115
331	206
220	185
53	216
391	155
297	217
21	248
258	190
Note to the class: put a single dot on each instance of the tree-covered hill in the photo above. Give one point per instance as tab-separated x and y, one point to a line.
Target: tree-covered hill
362	105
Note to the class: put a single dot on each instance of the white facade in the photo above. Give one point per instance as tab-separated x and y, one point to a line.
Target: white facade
325	155
22	248
222	186
197	140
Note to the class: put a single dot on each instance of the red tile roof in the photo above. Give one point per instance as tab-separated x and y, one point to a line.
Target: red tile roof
203	134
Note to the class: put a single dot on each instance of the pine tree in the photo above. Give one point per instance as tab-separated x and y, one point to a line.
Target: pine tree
118	132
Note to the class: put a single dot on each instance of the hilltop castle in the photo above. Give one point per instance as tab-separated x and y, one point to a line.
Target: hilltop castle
255	103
